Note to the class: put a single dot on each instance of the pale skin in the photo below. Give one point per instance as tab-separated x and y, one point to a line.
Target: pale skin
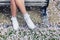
20	4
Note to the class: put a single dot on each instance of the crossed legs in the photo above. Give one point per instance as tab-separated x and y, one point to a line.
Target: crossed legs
20	4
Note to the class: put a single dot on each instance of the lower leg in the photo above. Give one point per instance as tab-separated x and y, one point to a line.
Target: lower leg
13	18
20	4
44	17
13	8
43	12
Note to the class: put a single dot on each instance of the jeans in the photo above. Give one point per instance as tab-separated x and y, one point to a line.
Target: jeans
43	12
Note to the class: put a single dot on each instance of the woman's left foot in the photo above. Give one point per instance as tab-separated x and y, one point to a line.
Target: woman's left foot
29	22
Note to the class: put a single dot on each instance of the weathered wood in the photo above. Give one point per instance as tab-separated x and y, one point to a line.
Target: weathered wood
27	2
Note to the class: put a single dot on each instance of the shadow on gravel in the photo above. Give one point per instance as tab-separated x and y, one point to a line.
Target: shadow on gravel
5	10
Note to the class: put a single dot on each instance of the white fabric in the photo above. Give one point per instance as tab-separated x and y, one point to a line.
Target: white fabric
15	23
29	21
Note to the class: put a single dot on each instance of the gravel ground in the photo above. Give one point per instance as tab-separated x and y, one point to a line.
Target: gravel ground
40	33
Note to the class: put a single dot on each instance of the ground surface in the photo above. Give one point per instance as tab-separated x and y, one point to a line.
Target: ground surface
40	33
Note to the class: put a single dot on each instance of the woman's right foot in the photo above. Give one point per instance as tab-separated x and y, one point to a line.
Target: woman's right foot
15	23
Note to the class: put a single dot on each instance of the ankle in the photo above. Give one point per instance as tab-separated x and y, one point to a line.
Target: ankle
26	15
13	18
